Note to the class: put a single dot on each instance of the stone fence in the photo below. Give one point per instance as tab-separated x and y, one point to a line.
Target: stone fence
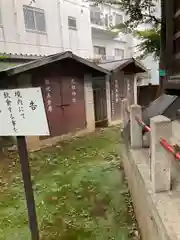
150	172
161	152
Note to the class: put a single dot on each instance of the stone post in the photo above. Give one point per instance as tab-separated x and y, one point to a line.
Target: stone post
135	128
124	113
161	127
89	103
108	97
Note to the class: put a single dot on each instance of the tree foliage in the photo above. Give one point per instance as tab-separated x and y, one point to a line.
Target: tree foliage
140	12
150	43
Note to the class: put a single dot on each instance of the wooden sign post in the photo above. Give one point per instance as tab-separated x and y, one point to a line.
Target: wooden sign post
22	113
26	175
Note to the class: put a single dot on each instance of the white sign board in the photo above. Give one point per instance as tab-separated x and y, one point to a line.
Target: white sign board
22	113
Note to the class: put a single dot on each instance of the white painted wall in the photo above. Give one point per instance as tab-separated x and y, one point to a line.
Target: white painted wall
149	62
15	39
80	41
143	79
110	46
153	65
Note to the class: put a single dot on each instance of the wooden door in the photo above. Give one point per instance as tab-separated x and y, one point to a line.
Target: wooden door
53	102
73	101
100	101
65	104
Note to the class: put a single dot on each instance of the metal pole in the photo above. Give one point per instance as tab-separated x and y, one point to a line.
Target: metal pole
25	169
162	45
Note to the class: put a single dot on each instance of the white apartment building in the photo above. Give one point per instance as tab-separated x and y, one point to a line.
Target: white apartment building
43	27
107	43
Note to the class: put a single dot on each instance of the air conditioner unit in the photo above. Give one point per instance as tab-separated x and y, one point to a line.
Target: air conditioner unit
110	21
110	18
102	16
103	57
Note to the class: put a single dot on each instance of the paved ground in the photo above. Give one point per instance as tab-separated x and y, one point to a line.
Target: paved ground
79	188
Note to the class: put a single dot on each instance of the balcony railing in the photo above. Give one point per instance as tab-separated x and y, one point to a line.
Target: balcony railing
104	58
105	19
97	21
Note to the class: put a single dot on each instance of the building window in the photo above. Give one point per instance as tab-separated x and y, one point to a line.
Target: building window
96	17
72	23
118	19
106	20
119	53
34	19
99	51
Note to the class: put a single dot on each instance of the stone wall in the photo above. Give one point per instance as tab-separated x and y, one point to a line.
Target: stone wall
153	178
138	175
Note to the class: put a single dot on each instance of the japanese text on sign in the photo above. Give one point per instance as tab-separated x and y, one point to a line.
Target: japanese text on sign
22	113
73	87
113	104
116	91
48	93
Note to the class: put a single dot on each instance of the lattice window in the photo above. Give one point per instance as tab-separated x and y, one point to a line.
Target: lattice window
34	19
72	23
119	52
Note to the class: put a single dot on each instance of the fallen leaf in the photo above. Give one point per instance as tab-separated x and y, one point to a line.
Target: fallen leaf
54	198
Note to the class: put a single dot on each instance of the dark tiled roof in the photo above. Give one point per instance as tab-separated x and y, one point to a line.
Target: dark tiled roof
112	65
50	59
20	56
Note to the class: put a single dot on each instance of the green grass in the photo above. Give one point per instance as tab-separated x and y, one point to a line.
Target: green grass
79	189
